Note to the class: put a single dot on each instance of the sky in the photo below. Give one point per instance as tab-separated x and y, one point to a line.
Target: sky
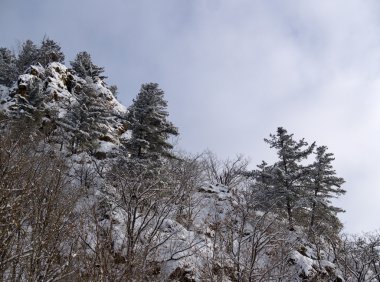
235	70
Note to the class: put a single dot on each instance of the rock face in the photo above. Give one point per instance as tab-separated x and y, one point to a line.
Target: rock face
56	95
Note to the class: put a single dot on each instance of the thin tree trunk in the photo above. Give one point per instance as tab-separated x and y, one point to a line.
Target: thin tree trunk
290	214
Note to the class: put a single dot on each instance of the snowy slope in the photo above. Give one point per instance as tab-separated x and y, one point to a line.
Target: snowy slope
61	90
192	243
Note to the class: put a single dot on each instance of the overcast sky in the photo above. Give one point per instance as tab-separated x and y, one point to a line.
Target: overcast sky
235	70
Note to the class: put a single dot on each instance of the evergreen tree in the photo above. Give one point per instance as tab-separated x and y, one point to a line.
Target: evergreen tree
8	69
29	55
31	105
147	118
324	185
283	183
84	67
114	90
87	120
49	52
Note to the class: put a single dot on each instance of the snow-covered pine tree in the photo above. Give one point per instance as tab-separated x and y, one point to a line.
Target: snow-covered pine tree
84	67
29	55
147	118
87	120
31	105
324	185
283	183
49	52
8	68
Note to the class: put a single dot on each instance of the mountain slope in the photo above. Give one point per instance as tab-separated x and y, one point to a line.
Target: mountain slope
132	220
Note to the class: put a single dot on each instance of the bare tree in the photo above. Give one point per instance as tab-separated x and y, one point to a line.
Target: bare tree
216	266
131	234
226	172
188	172
359	257
37	211
257	247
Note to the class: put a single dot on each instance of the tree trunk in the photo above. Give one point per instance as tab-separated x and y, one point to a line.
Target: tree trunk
290	214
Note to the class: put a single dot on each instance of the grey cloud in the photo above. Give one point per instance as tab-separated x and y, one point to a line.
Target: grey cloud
235	70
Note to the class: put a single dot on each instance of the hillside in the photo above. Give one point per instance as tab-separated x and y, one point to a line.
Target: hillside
93	191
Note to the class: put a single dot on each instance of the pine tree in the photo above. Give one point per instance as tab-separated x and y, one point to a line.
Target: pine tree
49	52
84	67
8	69
31	105
147	118
283	183
324	185
87	120
29	55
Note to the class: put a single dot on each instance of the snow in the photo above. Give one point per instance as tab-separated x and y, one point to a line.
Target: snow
171	226
304	264
4	91
57	66
221	190
25	79
126	135
106	147
103	90
209	205
37	69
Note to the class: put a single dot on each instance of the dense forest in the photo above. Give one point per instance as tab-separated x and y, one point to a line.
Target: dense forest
91	190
